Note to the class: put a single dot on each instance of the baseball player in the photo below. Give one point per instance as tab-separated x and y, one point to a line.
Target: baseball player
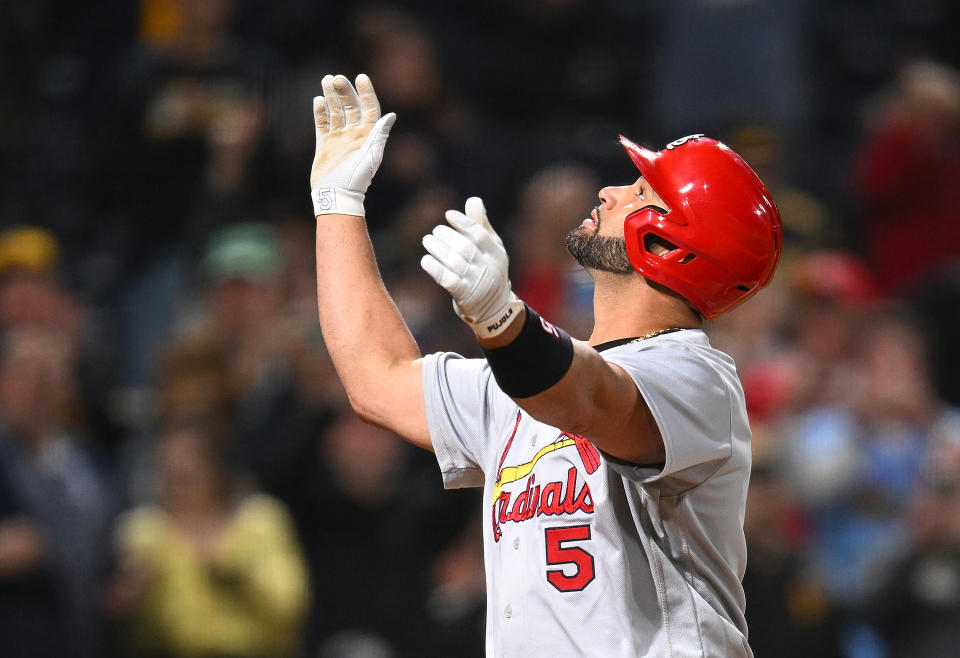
615	470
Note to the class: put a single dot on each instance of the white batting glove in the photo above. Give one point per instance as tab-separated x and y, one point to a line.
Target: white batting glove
470	263
351	135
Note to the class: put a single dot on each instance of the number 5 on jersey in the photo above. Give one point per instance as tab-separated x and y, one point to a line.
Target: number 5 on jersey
560	554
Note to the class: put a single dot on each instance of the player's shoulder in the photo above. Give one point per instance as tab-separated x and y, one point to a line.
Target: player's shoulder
683	356
688	346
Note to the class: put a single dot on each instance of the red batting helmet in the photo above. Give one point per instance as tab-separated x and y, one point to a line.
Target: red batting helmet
722	229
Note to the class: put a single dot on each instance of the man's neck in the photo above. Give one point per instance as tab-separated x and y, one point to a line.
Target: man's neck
627	306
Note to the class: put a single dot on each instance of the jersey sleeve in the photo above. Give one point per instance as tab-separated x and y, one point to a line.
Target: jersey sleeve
691	400
460	399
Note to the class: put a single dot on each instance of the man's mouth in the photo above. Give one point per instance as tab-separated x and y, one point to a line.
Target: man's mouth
594	220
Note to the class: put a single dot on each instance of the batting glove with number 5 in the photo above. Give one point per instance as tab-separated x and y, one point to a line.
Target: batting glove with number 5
351	135
469	261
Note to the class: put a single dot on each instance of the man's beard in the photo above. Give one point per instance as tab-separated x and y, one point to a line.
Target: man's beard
599	252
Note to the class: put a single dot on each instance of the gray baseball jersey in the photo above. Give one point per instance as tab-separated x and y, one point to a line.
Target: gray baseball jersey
588	556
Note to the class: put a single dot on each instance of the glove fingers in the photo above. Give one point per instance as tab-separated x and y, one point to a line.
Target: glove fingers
460	243
332	97
475	210
348	100
369	105
444	277
321	117
447	256
467	226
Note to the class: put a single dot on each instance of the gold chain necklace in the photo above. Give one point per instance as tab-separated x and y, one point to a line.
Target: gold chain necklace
629	341
654	334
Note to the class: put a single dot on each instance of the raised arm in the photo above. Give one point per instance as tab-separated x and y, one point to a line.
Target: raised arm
557	380
374	353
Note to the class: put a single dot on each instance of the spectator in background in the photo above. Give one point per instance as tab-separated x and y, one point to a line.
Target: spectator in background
267	356
794	345
192	382
803	338
855	461
190	155
905	177
29	292
32	295
241	355
194	111
242	267
917	606
788	610
378	532
54	505
211	570
906	174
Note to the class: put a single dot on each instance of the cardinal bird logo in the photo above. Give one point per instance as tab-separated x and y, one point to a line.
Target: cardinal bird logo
588	454
559	497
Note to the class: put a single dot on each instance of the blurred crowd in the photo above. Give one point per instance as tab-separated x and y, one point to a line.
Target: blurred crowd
180	473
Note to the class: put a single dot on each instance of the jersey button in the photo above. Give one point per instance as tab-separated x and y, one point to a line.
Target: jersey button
516	543
508	612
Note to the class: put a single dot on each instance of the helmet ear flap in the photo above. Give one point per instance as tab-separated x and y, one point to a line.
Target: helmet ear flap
634	234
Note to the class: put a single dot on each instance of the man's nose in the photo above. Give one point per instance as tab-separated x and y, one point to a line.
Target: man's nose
610	196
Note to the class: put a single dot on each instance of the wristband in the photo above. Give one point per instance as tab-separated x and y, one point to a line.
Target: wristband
534	361
336	200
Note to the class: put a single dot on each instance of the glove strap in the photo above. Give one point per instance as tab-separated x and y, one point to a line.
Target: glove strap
498	322
336	200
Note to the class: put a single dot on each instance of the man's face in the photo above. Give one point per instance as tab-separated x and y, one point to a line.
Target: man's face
598	242
35	381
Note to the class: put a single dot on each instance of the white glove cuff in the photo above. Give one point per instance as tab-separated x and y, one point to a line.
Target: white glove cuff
498	322
336	200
